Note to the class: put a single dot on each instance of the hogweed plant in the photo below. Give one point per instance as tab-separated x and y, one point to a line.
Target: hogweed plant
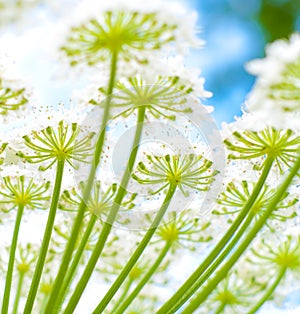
105	202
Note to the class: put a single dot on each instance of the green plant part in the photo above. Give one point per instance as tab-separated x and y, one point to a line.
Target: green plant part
23	192
173	172
245	242
25	258
165	94
2	149
233	295
61	144
185	172
286	254
282	258
282	145
286	92
19	193
182	231
237	194
122	33
11	99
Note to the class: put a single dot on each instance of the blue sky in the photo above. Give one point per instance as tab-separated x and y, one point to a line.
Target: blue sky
234	37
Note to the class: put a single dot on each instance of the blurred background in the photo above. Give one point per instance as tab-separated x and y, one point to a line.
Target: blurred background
237	31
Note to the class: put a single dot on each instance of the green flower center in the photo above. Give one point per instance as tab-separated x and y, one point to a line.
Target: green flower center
175	178
288	260
23	268
226	297
116	32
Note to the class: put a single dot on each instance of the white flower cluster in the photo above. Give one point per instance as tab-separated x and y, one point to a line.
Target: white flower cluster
275	97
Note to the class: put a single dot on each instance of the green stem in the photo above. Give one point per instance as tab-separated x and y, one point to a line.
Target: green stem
75	262
269	291
12	254
137	253
220	309
67	257
122	296
145	279
188	288
221	257
111	217
46	239
44	303
18	293
202	295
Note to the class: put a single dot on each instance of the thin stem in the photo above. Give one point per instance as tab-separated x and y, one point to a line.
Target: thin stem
67	257
46	239
187	289
18	293
122	296
269	291
202	295
220	309
10	269
138	252
111	217
222	256
75	262
44	303
145	279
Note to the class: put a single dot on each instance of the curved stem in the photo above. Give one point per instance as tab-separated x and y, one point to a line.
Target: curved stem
18	293
122	296
208	272
67	257
46	239
138	252
111	217
269	291
188	288
12	254
124	305
75	262
202	295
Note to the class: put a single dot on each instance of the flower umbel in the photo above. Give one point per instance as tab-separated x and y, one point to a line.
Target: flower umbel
286	92
166	94
186	172
116	32
21	192
237	194
11	99
26	257
100	200
58	144
233	295
285	255
280	144
182	231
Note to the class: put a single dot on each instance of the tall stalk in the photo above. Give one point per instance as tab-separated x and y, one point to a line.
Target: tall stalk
269	291
211	285
18	293
67	257
124	305
190	285
138	252
75	262
111	217
12	254
46	239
